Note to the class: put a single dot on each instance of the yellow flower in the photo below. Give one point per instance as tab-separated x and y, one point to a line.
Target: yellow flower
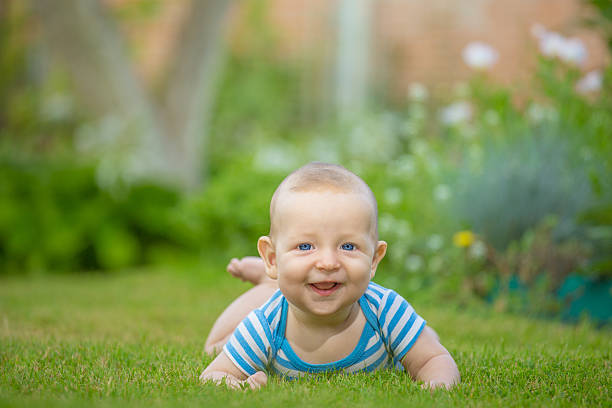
463	239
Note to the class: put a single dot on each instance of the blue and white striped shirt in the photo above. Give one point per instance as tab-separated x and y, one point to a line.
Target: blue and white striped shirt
259	343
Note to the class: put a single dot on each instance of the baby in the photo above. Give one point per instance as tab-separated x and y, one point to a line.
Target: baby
314	307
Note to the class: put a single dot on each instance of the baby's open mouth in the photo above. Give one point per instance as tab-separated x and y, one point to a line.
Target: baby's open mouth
325	288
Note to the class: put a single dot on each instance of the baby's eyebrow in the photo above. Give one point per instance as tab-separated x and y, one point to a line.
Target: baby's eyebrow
300	237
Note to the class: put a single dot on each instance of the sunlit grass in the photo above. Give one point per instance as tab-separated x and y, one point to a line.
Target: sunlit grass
136	339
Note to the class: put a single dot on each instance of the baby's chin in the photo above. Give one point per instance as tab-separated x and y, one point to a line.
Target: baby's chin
329	308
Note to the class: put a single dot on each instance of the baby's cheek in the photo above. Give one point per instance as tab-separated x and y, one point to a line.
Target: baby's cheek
288	275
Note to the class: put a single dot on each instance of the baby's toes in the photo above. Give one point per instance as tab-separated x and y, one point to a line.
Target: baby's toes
233	267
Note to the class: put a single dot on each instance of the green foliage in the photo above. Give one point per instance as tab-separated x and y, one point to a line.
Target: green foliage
233	211
523	277
552	158
257	97
53	216
522	180
37	115
602	18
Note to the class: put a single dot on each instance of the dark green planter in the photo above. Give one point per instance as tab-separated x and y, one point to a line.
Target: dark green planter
586	296
577	296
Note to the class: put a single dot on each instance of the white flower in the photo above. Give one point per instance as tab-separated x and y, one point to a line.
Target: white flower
591	82
275	158
393	196
404	166
574	51
57	107
386	223
417	92
551	44
456	113
479	55
400	228
554	45
403	230
324	149
100	136
478	250
361	144
414	263
435	242
442	192
538	113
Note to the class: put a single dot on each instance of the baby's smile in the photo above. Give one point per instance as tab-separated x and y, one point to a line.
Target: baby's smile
325	288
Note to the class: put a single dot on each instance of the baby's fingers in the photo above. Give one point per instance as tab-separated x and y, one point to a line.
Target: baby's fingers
219	378
432	385
257	380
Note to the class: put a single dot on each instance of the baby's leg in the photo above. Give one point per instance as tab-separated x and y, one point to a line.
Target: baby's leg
248	269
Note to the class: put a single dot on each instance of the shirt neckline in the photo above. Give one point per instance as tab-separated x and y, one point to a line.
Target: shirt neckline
344	362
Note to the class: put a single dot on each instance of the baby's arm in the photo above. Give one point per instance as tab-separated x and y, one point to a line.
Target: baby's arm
223	369
428	361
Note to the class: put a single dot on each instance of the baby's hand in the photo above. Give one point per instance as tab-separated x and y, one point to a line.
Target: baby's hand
432	385
257	380
254	382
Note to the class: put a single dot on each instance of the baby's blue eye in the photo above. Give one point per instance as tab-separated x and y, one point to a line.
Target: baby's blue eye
304	247
348	246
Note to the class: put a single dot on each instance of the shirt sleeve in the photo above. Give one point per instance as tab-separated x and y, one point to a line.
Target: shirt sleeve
400	324
249	346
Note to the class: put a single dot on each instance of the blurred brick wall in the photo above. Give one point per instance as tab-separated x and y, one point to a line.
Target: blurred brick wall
413	40
422	40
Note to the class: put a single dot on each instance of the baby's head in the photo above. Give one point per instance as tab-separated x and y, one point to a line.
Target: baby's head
323	245
317	177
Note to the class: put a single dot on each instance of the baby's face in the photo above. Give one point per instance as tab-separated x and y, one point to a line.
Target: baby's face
324	250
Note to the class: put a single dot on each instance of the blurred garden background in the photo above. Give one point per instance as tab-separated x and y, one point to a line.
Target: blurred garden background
141	141
143	132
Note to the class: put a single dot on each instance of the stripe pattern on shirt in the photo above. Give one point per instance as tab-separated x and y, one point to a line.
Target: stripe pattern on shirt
258	343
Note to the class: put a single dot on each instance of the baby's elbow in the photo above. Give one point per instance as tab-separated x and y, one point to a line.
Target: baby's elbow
214	349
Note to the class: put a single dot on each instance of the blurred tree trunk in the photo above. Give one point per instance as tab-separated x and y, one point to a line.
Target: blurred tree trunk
189	88
353	57
168	135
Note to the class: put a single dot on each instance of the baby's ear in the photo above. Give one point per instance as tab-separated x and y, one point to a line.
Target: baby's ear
268	254
379	254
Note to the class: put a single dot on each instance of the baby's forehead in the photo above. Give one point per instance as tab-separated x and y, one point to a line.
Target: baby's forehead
292	197
286	201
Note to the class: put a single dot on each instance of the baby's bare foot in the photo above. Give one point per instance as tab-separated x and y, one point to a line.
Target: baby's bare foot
249	269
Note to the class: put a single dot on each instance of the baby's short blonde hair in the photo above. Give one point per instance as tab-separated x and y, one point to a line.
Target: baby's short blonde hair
319	177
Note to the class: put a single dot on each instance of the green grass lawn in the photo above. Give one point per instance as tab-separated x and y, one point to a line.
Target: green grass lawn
137	339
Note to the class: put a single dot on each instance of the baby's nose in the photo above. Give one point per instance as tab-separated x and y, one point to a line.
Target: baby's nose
328	260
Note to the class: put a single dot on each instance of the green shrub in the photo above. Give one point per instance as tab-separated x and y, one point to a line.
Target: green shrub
520	181
53	216
233	210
